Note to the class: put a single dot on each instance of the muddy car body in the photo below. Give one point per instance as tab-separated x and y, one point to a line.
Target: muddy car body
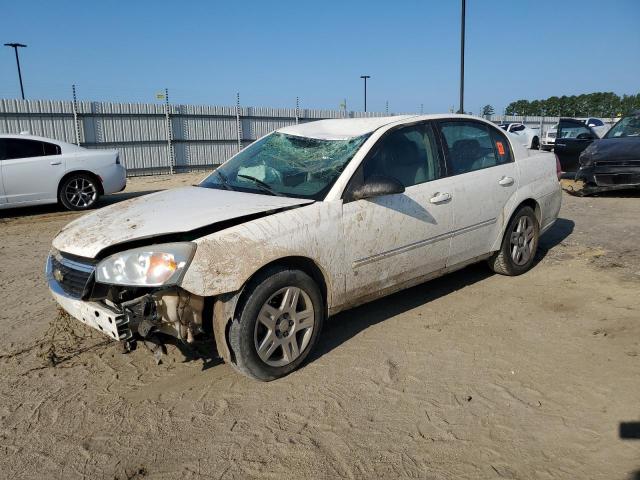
308	221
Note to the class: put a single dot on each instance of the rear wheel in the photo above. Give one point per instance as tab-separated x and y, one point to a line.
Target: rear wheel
519	245
278	322
79	192
535	143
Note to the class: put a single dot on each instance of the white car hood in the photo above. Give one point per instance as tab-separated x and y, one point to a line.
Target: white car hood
171	211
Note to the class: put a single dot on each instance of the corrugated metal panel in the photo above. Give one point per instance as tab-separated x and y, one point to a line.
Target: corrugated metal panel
205	128
200	154
143	158
203	135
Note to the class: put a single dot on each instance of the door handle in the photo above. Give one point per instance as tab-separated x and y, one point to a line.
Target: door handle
506	181
55	162
440	197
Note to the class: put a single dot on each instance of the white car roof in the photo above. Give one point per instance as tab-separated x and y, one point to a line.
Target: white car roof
340	128
24	136
346	128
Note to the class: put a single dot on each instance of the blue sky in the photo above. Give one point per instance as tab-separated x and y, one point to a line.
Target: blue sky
273	51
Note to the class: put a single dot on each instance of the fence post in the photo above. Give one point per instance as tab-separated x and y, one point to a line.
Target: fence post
297	110
170	155
75	114
238	123
541	125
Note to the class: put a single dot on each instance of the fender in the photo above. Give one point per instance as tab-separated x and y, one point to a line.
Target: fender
225	260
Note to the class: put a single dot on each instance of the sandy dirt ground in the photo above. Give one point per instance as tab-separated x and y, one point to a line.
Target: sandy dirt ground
473	375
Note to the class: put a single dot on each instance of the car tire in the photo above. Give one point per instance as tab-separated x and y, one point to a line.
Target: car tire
79	191
519	244
277	323
535	143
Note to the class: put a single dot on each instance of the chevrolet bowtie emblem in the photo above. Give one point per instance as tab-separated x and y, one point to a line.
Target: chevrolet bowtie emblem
58	275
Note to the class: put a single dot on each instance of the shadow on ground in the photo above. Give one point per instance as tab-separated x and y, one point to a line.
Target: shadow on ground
345	325
555	235
59	210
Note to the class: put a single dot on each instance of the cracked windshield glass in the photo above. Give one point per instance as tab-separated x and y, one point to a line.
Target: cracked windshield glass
286	165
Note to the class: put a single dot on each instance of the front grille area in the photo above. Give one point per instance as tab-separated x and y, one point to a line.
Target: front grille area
72	276
618	179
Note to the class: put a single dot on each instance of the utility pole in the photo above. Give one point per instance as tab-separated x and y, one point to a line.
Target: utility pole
238	121
364	77
170	154
15	47
75	114
462	19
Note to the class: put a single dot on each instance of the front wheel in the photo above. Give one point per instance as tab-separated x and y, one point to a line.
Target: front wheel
277	324
519	244
79	192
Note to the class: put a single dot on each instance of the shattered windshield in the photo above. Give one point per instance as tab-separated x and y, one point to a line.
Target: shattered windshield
627	127
286	165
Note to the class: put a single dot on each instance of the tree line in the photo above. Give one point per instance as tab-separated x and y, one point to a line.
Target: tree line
597	104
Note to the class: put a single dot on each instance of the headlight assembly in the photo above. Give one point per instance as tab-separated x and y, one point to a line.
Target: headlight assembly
152	266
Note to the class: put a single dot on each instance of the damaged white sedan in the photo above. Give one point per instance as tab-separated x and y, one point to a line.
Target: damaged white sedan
307	221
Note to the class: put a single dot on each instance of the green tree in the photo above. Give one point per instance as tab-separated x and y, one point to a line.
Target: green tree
519	107
487	110
598	104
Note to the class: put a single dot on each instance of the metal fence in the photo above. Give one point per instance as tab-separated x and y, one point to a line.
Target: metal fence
156	138
165	138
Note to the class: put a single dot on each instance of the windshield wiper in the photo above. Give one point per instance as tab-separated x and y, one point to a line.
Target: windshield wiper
225	182
263	186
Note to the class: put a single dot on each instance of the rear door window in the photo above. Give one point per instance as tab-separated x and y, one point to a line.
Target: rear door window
471	146
12	148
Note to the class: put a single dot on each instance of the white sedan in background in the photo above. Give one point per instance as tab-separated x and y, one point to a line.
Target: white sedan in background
307	221
528	137
549	138
37	170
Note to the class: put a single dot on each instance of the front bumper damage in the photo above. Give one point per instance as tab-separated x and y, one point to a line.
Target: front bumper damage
608	176
123	313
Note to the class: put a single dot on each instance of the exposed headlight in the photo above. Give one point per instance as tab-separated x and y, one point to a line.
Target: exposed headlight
151	266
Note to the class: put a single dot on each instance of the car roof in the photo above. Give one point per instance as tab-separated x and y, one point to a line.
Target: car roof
347	128
25	136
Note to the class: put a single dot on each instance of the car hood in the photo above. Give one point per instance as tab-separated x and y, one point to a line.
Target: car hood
175	211
611	150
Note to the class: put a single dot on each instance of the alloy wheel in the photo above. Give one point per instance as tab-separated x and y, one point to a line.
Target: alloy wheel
522	241
80	192
284	326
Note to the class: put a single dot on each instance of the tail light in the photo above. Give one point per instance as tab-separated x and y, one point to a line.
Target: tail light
558	168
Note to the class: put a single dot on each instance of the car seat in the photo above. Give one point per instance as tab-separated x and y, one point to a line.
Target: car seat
408	165
466	155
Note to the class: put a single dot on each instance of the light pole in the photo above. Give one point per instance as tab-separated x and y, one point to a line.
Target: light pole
15	47
365	89
464	2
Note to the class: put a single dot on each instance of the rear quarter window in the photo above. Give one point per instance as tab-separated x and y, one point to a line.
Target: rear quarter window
502	146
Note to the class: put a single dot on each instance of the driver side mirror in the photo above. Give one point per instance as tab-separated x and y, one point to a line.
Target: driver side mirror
377	186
